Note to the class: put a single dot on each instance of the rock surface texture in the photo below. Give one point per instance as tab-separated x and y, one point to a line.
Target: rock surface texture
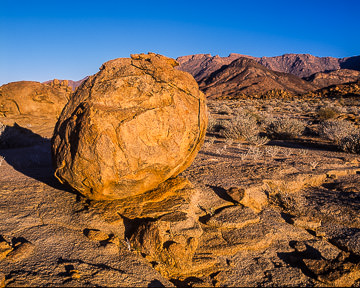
129	127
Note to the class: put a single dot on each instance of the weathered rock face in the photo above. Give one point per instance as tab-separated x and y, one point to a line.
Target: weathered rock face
129	127
32	98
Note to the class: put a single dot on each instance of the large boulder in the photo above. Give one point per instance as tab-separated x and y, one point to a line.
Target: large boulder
128	128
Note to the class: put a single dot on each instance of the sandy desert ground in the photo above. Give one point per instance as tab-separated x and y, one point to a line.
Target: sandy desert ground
277	213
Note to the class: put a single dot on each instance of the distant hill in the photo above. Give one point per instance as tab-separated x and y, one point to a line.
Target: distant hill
245	77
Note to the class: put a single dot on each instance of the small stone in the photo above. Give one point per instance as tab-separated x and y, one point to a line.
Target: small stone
115	240
300	247
307	223
75	274
236	193
96	235
5	249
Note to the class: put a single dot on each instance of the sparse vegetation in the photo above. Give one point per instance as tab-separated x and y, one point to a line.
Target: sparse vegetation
272	151
336	130
242	127
351	143
257	140
284	128
212	122
224	110
327	113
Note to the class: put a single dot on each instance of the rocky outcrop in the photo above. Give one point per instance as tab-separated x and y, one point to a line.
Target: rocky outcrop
60	84
129	127
32	98
340	76
66	83
246	78
351	89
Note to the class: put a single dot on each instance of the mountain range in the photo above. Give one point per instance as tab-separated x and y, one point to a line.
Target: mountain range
301	65
240	75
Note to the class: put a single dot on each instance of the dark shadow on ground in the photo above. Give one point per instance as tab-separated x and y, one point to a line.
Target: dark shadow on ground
222	193
155	283
297	259
304	144
30	154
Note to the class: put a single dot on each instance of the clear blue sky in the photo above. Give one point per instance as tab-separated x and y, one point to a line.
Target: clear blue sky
42	40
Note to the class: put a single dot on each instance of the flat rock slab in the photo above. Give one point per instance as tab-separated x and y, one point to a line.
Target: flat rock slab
233	217
176	194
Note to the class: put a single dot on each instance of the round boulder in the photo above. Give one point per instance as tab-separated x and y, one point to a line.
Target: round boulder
128	128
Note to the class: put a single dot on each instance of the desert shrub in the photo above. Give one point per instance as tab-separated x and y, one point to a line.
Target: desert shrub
241	127
335	130
351	143
283	128
327	113
224	110
257	140
212	122
271	151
